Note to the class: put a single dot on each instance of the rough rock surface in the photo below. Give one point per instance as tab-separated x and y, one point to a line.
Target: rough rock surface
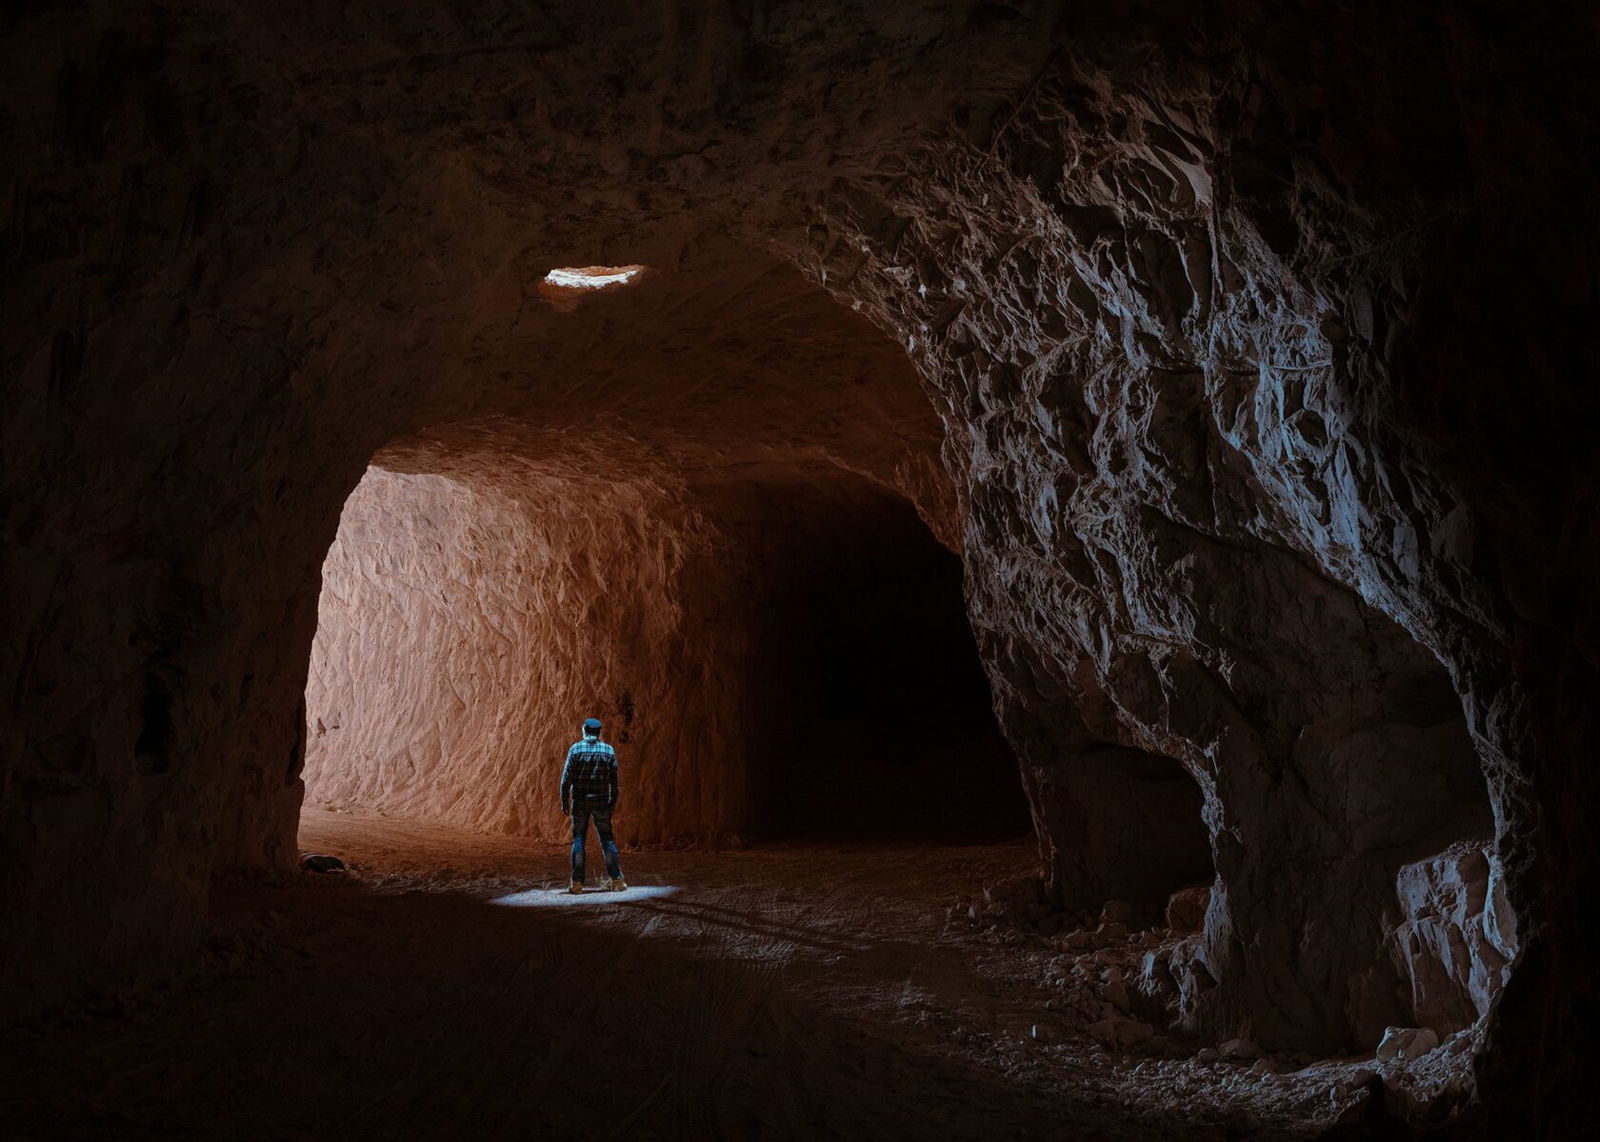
1178	525
1458	940
1251	333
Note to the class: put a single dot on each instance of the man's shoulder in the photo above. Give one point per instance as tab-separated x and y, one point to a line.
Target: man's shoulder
593	747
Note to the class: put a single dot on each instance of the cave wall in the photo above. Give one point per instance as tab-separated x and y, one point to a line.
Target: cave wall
1171	323
465	630
1458	939
1250	331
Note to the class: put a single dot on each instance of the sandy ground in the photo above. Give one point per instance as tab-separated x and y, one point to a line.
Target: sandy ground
445	988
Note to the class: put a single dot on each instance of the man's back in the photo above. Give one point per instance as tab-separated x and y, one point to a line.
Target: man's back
590	775
589	793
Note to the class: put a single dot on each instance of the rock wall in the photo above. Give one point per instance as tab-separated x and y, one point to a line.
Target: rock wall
1250	331
1189	501
465	632
1458	939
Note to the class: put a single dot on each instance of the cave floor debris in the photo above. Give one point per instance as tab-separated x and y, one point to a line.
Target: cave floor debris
774	991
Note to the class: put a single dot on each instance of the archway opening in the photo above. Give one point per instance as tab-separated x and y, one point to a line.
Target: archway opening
772	657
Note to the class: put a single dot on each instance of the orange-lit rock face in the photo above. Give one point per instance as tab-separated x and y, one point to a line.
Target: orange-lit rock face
454	631
1251	340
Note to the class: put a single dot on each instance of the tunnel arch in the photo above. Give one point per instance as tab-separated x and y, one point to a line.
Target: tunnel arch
654	411
466	623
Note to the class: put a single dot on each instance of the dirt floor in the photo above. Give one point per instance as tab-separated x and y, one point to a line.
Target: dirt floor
444	987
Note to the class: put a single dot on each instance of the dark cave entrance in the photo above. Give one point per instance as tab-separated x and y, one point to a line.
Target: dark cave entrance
1138	833
880	723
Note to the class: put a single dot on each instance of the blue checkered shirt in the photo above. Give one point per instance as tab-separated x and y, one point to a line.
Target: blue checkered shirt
589	779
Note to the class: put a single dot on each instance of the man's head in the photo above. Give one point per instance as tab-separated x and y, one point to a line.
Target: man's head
591	727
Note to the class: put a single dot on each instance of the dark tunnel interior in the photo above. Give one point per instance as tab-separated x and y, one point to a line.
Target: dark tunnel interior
882	725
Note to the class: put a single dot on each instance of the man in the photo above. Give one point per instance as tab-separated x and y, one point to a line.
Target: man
589	790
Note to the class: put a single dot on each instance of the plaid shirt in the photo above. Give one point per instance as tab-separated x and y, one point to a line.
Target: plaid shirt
589	779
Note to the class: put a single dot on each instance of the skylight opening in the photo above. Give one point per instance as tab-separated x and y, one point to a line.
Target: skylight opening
591	277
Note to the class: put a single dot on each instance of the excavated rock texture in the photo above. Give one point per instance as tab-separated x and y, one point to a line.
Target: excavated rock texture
1251	332
1187	505
1175	333
622	547
464	633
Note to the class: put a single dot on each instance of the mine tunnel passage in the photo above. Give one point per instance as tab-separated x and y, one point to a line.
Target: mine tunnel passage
772	658
874	712
731	536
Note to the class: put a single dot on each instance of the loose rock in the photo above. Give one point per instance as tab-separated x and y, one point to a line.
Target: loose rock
1406	1043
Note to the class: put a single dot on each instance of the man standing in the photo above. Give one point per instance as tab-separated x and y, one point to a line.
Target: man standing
589	789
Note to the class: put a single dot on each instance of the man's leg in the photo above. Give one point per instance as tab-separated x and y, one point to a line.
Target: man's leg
608	845
580	826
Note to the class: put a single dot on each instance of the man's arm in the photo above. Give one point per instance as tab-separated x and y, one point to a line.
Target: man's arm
566	784
611	802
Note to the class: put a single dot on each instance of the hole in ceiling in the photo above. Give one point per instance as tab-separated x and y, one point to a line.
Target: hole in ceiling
591	277
564	286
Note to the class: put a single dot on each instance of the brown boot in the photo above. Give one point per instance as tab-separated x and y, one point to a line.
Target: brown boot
619	885
577	888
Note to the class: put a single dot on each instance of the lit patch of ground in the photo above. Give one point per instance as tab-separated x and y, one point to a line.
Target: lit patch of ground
561	898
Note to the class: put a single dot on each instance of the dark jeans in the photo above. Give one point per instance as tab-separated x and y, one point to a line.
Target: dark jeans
608	846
